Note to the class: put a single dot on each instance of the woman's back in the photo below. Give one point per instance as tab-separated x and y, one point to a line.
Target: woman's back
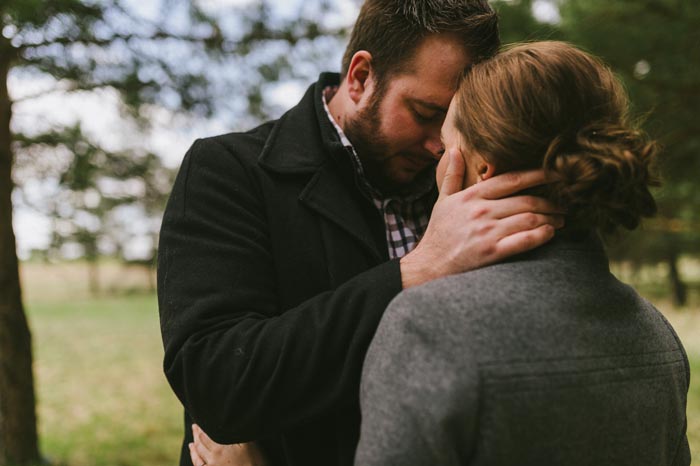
544	360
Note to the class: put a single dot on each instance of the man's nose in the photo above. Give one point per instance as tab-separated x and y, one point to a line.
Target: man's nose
433	144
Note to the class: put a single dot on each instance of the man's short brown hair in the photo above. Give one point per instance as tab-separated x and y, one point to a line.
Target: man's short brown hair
392	30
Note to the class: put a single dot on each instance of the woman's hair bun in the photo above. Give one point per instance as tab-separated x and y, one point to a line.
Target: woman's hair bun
549	104
602	175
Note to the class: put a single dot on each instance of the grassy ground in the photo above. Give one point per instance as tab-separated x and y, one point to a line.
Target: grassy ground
102	398
687	324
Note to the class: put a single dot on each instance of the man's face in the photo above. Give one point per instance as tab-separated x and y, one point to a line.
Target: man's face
397	133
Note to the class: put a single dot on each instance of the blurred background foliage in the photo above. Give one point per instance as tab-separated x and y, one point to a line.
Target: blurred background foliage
168	65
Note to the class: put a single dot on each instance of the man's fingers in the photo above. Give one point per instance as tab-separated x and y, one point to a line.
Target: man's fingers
509	183
197	460
507	207
526	222
453	181
523	241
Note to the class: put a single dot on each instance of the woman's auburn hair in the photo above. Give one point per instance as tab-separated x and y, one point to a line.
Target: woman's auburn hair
551	105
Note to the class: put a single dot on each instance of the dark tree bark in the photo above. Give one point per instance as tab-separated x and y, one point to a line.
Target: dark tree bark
678	288
93	268
18	434
93	271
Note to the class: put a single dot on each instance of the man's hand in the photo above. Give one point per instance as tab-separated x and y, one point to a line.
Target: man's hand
473	227
205	451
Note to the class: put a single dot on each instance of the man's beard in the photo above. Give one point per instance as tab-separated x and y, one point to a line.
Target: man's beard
364	132
374	151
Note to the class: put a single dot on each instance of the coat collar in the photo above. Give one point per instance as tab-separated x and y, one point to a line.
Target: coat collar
303	138
586	245
304	141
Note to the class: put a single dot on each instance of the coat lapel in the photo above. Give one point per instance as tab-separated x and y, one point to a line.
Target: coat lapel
325	195
304	141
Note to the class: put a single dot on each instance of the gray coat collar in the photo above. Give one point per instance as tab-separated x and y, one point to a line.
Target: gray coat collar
586	245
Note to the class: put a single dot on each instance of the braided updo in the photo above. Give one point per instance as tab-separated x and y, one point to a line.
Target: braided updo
551	105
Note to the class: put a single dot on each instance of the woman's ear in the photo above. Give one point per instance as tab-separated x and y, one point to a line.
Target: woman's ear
359	75
484	169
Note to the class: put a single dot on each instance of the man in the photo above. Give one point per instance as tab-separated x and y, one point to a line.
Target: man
281	247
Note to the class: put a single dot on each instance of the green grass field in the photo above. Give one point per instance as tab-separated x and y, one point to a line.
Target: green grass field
102	396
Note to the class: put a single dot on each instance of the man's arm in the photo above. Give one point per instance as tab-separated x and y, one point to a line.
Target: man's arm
242	366
419	391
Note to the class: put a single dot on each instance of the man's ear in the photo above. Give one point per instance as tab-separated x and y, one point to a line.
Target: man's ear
359	75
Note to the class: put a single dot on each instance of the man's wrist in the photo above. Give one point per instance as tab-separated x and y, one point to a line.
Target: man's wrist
415	272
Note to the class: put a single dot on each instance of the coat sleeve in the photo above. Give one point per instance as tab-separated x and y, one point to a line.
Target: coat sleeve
419	391
242	367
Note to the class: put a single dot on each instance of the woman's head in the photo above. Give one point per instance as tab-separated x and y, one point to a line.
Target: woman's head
551	105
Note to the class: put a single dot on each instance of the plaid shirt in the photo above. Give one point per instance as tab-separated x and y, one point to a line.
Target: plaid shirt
405	217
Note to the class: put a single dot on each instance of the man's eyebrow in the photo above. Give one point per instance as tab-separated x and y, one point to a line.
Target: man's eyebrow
430	105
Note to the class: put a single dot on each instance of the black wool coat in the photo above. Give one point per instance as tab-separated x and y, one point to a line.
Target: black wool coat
273	274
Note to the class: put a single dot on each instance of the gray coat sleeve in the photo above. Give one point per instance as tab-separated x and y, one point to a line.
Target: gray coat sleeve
419	393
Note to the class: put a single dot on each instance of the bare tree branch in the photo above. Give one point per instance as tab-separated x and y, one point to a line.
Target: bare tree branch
91	40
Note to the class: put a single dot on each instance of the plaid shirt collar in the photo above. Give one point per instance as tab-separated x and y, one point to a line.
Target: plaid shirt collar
405	217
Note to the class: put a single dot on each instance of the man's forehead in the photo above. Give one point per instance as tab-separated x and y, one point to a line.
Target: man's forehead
432	93
433	74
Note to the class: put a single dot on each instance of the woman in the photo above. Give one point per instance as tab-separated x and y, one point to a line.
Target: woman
546	358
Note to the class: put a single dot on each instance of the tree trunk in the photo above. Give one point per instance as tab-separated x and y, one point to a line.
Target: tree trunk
93	270
678	288
18	434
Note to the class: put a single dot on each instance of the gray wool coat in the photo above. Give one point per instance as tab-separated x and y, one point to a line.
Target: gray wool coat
546	359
